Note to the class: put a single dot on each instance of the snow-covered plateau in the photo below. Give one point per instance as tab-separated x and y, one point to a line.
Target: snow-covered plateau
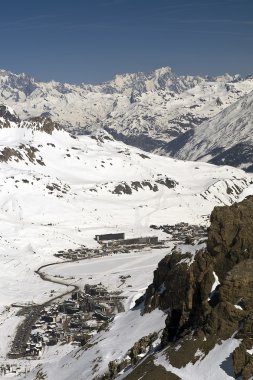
57	191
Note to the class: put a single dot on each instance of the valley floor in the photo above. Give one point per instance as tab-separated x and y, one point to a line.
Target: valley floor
107	270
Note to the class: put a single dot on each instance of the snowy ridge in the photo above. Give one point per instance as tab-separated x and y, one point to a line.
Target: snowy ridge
225	138
145	110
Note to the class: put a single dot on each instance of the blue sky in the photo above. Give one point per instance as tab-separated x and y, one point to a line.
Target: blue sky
91	40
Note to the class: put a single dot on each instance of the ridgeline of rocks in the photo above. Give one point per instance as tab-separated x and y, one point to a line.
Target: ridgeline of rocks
199	316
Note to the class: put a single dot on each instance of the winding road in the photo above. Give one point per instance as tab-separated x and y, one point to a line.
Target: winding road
33	312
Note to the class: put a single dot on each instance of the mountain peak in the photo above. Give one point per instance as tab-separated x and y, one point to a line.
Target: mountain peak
162	71
147	110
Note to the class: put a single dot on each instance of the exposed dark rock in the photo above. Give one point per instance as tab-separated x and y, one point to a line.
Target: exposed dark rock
175	145
20	153
30	151
7	115
187	289
199	317
170	183
125	188
150	185
219	101
7	153
239	154
242	360
141	141
115	367
136	185
44	124
230	236
149	371
122	188
141	346
144	156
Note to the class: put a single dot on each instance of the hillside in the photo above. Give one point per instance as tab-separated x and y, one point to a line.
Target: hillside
58	191
93	183
225	139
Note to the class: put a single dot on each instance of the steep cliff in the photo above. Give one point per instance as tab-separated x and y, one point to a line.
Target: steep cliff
208	295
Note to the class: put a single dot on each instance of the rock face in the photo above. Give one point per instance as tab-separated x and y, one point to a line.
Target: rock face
44	124
6	114
230	235
125	188
140	347
243	360
200	316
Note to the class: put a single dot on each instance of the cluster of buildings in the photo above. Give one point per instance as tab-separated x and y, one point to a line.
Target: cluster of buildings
78	254
108	243
74	320
13	369
118	239
183	232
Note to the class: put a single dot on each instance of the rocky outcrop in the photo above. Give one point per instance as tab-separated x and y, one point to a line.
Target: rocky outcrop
200	316
7	115
8	119
44	124
22	153
7	153
141	347
114	367
230	237
133	357
125	188
243	359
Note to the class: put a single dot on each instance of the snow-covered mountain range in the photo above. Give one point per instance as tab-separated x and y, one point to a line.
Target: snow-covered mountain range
57	192
144	110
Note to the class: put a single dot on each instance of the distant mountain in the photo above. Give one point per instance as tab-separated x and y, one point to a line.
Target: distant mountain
144	110
225	139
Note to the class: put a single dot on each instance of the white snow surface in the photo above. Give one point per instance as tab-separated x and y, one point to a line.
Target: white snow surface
60	196
217	364
216	282
108	269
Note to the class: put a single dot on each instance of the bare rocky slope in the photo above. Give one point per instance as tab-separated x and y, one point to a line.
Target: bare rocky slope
201	316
